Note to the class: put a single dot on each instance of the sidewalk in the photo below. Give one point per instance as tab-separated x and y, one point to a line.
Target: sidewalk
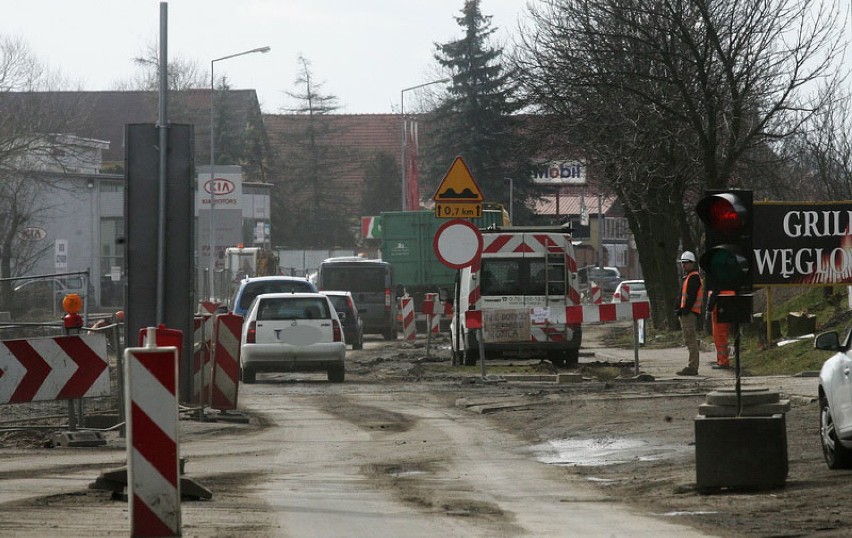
664	363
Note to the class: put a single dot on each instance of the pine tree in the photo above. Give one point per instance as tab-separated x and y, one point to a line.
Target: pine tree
381	182
475	120
306	208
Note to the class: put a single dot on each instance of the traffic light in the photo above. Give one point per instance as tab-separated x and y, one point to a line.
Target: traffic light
727	257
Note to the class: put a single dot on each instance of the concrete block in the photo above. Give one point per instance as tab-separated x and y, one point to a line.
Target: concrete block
78	439
569	378
760	410
740	453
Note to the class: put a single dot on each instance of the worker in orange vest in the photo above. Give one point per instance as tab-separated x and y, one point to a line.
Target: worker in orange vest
720	331
689	309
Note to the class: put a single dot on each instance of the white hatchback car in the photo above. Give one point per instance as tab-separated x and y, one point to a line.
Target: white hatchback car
635	288
292	332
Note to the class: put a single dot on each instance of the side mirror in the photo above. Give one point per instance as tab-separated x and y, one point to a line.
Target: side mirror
342	315
829	341
400	291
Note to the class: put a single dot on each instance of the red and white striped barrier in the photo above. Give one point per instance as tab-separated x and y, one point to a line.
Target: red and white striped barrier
432	309
202	363
597	296
624	294
226	370
607	312
151	408
409	327
59	368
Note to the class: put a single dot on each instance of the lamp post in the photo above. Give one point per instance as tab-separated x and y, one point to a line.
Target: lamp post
211	187
511	200
402	113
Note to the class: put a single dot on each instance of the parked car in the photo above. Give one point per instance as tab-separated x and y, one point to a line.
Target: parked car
292	332
636	290
46	293
350	317
835	400
606	278
250	288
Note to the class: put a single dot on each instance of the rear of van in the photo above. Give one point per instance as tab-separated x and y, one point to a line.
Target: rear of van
372	286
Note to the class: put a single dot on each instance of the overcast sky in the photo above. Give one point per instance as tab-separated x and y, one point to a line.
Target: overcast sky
364	51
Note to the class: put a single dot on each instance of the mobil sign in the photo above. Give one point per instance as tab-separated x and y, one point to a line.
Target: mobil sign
557	173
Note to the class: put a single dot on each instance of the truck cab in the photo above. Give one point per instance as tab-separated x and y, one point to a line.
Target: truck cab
523	282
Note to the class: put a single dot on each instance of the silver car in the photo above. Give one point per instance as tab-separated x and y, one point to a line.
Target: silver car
292	332
835	400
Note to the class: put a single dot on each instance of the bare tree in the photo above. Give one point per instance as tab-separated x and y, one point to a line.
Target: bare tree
822	152
668	97
184	74
32	121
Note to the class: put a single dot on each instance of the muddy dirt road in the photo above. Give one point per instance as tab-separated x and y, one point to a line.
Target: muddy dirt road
407	446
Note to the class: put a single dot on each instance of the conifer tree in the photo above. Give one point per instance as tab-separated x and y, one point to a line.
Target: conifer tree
475	119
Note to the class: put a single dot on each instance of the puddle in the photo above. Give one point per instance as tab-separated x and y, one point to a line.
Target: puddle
605	451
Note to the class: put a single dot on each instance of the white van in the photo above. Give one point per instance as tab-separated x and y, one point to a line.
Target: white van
525	279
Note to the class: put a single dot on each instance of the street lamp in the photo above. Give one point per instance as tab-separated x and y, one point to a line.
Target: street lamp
212	184
511	200
402	113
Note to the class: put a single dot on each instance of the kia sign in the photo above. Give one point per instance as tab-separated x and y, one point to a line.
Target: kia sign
457	244
225	190
220	186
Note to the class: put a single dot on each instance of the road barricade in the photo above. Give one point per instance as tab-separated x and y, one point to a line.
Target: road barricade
409	325
57	368
226	370
151	408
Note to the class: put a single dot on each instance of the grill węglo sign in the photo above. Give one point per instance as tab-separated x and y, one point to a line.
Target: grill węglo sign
801	243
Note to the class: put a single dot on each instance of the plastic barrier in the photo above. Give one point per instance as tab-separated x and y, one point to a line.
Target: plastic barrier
409	327
151	408
226	370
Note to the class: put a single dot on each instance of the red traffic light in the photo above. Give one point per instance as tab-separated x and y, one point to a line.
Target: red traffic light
724	213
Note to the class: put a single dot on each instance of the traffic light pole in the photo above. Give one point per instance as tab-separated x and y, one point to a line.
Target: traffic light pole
737	368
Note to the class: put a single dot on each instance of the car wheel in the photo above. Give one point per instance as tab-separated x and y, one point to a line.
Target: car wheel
248	376
390	334
336	373
836	455
359	342
572	357
557	358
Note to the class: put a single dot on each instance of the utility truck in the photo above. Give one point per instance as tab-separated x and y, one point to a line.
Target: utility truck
523	282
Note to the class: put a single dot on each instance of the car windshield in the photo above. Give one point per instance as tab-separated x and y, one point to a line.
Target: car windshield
354	277
339	302
253	289
292	308
635	286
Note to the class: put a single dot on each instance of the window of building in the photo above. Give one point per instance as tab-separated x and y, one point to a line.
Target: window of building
112	261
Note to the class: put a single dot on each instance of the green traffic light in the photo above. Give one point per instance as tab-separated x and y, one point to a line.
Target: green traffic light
725	266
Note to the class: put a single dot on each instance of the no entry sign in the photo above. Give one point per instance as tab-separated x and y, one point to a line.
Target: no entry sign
457	244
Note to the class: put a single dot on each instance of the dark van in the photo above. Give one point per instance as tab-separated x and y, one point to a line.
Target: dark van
372	286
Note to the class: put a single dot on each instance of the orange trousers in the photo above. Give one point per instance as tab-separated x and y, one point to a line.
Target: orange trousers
720	339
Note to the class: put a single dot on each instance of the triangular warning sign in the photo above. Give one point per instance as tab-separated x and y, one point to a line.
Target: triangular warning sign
458	185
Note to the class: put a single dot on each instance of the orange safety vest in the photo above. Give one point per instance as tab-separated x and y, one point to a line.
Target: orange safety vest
696	306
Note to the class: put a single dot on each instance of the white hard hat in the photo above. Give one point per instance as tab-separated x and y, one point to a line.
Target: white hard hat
687	256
